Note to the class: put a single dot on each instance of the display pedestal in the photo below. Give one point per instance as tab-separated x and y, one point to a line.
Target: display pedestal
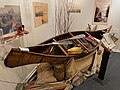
100	79
102	82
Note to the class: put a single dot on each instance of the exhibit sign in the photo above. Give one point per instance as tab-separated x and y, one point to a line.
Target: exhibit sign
40	13
102	10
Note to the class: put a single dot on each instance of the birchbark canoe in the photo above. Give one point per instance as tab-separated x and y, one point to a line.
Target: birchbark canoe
55	53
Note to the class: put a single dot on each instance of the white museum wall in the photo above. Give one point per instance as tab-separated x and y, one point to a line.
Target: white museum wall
115	20
35	36
85	17
87	13
11	2
10	74
81	20
45	31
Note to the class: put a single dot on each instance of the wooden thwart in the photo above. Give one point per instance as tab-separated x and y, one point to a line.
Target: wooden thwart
61	48
80	43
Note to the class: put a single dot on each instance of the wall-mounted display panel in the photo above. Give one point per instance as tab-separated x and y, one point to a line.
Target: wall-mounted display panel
74	6
102	10
40	13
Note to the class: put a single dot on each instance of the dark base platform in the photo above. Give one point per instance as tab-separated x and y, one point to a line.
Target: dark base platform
102	82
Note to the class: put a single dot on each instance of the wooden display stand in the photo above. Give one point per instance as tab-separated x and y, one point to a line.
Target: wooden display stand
107	44
100	79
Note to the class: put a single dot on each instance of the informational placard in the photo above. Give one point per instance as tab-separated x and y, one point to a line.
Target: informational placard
40	13
102	10
107	41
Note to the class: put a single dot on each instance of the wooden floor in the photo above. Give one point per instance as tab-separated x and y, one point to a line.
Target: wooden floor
112	75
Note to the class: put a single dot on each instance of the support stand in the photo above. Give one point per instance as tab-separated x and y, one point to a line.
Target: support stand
102	82
100	79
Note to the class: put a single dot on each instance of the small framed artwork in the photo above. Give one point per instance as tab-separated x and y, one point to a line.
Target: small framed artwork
40	13
74	6
102	10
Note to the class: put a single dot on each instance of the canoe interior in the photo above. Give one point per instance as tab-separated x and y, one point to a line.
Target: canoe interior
97	34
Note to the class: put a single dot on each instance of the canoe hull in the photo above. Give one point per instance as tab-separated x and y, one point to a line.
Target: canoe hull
17	58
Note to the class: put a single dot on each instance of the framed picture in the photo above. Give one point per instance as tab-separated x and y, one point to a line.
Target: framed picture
102	10
10	17
40	13
74	6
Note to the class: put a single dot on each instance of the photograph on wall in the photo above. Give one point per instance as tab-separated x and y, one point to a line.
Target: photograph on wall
40	13
10	17
74	6
102	10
